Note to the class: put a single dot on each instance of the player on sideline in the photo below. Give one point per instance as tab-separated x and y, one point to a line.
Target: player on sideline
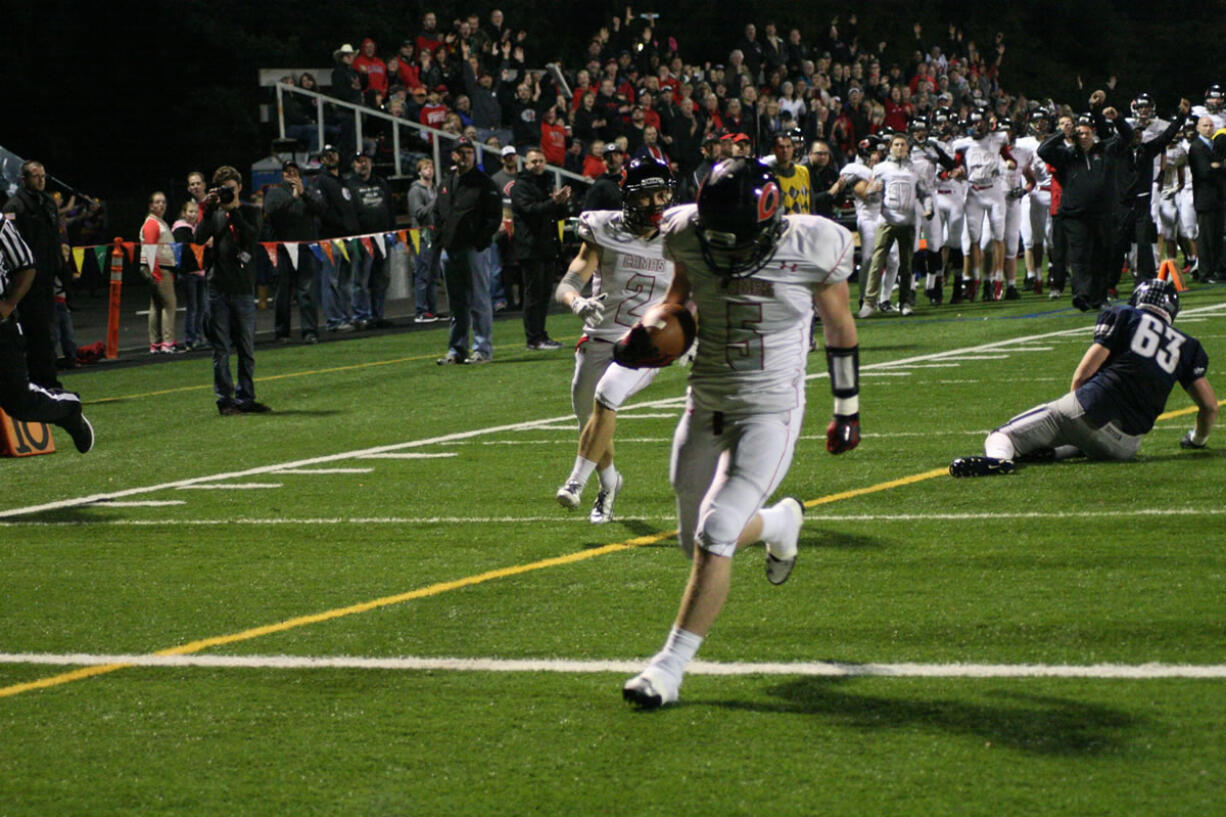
754	276
1119	389
622	250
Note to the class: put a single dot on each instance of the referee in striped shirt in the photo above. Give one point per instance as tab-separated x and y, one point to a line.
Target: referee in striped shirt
21	399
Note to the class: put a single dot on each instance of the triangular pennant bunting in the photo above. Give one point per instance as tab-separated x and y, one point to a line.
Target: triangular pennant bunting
177	249
368	245
416	235
292	251
270	247
129	248
198	251
100	255
317	252
379	240
149	255
340	245
78	258
326	246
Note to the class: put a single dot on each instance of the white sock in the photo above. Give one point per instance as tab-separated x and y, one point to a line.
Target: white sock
582	471
608	478
774	524
679	649
998	446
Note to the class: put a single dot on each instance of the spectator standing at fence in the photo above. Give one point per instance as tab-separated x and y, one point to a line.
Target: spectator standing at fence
504	180
290	211
368	64
158	267
606	192
231	276
536	207
37	219
347	87
372	198
425	263
467	213
338	220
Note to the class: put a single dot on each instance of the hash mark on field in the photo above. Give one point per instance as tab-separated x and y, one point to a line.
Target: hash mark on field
229	486
141	503
842	669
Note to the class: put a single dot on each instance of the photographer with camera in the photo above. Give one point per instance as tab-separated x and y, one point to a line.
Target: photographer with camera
231	280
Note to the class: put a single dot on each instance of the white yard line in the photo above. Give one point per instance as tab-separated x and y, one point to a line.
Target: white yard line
324	471
142	503
670	402
409	456
814	516
1149	671
229	486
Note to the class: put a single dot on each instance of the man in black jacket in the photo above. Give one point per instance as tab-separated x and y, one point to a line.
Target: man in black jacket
38	221
290	211
606	192
372	197
231	323
339	219
536	210
1086	171
1209	199
467	214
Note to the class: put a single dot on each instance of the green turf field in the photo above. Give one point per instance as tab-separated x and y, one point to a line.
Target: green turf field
207	651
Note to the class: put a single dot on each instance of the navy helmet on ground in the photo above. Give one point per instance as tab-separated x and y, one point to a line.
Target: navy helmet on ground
1157	295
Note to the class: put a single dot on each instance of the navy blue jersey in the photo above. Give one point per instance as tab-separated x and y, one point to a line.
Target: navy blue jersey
1148	356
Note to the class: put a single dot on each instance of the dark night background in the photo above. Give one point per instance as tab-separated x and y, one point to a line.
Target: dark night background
119	98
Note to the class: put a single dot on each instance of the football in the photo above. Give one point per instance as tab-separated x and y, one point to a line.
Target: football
660	337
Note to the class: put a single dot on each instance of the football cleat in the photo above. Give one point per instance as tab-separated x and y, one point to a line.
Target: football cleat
602	509
82	433
980	467
569	495
1011	294
970	288
779	567
1055	295
887	308
866	311
651	689
906	310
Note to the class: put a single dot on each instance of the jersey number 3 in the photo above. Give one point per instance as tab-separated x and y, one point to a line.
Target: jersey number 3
1154	339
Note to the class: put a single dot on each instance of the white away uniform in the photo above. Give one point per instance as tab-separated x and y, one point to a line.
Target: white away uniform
984	195
746	397
1036	205
634	275
950	203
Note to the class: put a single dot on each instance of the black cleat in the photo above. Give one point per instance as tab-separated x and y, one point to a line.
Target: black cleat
81	431
980	467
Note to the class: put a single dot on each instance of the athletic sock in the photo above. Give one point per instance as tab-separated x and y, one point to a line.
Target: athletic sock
774	525
608	478
582	471
678	651
998	446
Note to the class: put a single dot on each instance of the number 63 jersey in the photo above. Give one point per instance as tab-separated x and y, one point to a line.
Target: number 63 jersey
633	273
1147	357
753	332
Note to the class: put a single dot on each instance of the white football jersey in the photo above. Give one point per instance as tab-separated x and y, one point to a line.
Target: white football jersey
753	332
955	187
1023	156
633	272
1175	157
1038	167
869	207
1219	118
981	157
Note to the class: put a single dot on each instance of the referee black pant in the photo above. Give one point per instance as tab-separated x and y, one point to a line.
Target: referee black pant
21	399
36	313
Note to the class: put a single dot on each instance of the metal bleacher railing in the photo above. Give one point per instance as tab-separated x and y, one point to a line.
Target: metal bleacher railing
430	136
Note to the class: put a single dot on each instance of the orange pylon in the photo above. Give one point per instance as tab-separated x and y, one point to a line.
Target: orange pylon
1169	271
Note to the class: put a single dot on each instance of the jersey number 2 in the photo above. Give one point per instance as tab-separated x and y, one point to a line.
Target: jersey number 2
639	290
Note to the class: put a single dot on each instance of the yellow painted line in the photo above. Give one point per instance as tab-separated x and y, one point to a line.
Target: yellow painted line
1183	412
881	486
421	593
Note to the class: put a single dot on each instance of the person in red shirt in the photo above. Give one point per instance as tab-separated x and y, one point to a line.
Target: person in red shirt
404	67
593	164
429	38
553	137
374	69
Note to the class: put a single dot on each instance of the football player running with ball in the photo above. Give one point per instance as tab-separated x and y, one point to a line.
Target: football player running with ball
623	256
754	275
1119	389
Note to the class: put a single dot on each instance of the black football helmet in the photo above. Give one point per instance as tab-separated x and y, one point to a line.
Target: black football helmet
740	217
1142	106
916	125
868	145
1213	97
1040	122
1156	295
977	122
645	176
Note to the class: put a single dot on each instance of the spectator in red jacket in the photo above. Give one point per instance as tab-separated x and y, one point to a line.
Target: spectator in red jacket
403	66
374	69
429	38
553	137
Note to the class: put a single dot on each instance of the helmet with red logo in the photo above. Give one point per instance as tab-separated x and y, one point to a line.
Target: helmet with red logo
644	178
740	217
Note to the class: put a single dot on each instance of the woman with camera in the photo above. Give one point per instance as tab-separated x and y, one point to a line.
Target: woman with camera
158	267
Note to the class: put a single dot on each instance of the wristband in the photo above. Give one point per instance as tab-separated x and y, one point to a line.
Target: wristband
844	365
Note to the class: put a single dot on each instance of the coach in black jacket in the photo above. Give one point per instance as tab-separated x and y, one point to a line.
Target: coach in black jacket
467	214
1209	199
1087	171
536	209
38	221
